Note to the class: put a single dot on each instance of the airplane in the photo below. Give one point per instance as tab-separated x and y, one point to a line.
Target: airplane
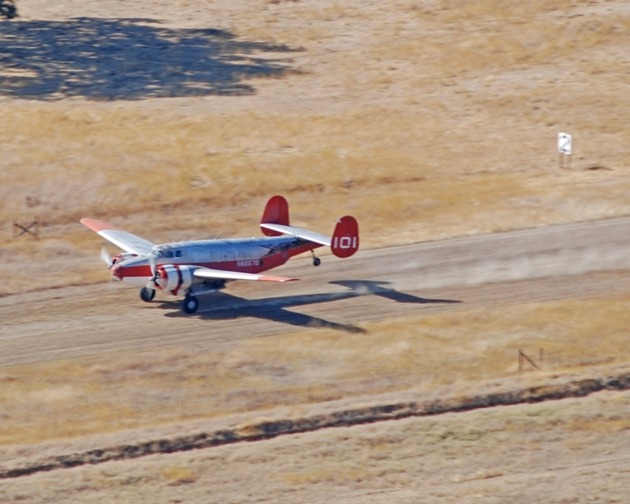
194	268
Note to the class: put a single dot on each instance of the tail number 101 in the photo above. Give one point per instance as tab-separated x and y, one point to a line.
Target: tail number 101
344	242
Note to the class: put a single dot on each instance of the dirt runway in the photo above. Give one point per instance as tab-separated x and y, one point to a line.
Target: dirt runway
557	262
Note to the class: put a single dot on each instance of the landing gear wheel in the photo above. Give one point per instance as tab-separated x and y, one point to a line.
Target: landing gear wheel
190	304
147	294
316	260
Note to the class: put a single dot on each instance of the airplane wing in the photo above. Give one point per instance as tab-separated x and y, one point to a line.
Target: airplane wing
303	234
238	275
123	239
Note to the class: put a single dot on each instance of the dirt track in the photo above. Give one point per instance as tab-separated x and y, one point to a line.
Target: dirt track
561	262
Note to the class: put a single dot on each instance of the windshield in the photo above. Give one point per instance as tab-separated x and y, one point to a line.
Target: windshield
166	252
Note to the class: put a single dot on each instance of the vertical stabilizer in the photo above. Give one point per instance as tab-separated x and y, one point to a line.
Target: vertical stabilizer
276	212
345	239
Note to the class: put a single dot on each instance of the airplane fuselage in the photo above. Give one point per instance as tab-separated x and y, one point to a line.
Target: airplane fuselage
247	255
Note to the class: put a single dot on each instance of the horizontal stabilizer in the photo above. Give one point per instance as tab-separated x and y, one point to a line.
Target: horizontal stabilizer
343	243
303	234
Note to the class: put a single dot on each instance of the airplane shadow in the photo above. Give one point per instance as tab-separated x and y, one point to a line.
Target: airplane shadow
130	59
369	287
226	306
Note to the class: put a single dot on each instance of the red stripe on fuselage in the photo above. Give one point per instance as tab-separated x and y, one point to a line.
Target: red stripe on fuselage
180	280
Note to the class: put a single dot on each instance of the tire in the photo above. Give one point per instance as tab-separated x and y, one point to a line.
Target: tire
190	305
147	294
317	261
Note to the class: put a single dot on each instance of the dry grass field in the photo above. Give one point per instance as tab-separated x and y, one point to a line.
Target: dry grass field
425	120
565	451
426	352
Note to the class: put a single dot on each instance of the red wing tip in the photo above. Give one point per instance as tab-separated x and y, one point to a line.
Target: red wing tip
96	225
267	278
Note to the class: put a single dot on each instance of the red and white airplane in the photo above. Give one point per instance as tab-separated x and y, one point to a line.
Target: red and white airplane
193	268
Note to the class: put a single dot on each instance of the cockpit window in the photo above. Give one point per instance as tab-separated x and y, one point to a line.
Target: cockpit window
167	253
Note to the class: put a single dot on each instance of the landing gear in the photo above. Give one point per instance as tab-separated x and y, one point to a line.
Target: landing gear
190	304
147	294
316	260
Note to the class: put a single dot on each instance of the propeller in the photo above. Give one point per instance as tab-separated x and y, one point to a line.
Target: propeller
106	258
109	261
155	275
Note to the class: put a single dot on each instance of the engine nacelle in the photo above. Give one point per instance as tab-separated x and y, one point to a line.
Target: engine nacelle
172	278
123	256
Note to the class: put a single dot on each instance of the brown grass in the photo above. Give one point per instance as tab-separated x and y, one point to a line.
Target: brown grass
445	458
457	118
111	393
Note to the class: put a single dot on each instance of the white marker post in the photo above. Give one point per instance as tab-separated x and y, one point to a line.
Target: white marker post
564	150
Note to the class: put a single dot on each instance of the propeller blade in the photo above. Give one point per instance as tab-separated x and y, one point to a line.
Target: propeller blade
106	258
153	283
152	264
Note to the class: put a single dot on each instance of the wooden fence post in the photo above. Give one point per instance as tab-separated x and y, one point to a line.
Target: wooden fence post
22	229
522	356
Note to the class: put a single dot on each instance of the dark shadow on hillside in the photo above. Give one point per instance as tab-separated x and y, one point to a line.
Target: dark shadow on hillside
129	59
